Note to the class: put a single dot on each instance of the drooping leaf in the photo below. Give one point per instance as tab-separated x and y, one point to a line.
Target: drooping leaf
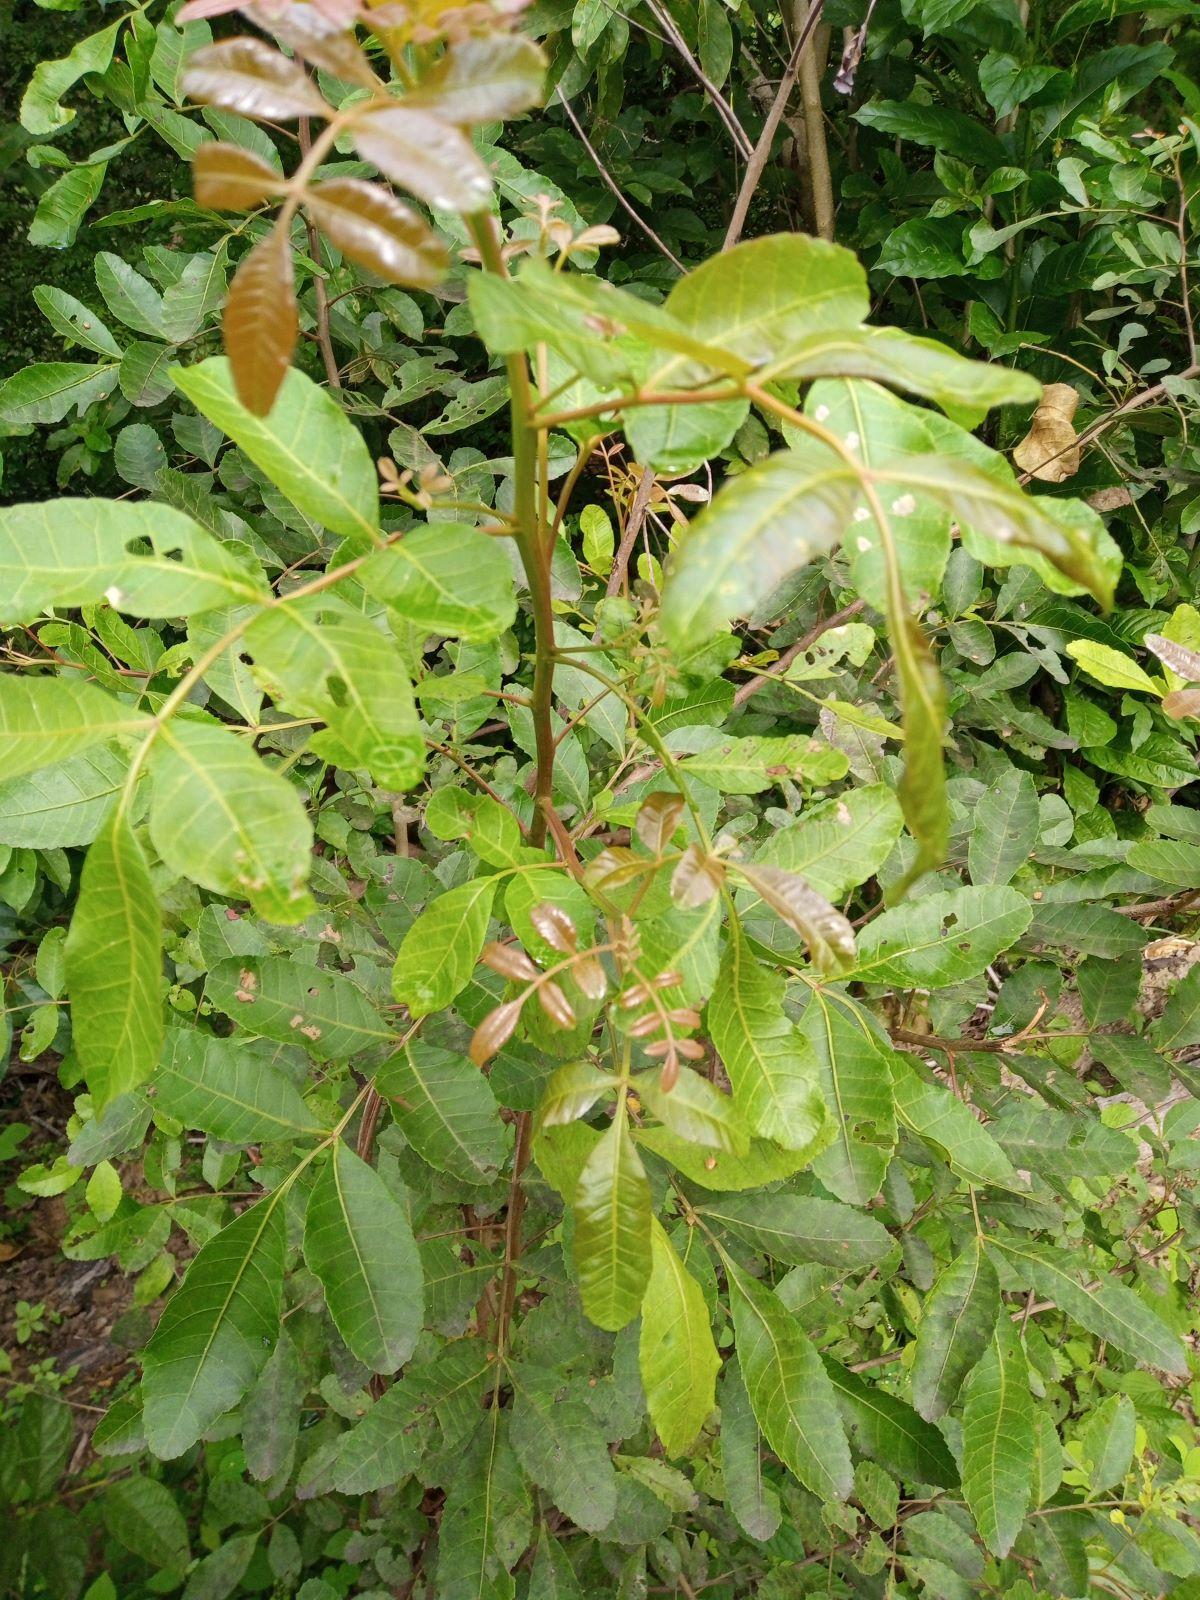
796	1227
998	1441
956	1325
749	1496
217	1330
889	1431
789	1389
937	1115
430	158
220	816
229	178
482	79
114	965
696	1110
677	1357
762	525
771	1067
611	1207
359	1243
853	1074
1005	829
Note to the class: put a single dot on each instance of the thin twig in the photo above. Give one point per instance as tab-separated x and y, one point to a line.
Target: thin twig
633	526
611	184
722	106
324	340
745	690
757	163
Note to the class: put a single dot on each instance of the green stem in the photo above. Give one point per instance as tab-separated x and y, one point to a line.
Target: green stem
535	550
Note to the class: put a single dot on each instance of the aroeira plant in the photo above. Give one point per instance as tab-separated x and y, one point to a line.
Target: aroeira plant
635	1110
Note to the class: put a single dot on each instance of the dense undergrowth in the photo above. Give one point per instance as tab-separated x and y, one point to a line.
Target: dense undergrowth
598	847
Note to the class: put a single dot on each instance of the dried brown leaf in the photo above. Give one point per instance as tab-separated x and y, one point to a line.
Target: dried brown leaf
1049	451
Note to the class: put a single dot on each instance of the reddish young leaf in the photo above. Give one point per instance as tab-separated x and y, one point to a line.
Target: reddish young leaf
229	178
326	40
247	76
494	1032
378	231
261	323
429	157
483	79
658	819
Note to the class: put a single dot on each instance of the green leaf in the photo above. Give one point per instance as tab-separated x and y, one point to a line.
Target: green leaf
999	1441
387	1445
694	1109
572	1092
772	1068
1172	861
445	578
1005	829
552	1577
217	1330
1179	1025
761	526
325	1013
218	1574
490	828
793	1228
143	1515
114	965
486	1488
47	720
676	1354
42	111
307	446
936	126
611	1207
560	1445
723	1170
956	1325
966	389
837	844
1112	668
130	297
854	1077
941	939
922	786
751	1499
1106	1308
76	552
228	1089
1003	526
748	766
942	1120
888	1430
359	1243
789	1390
440	950
62	207
445	1108
321	658
223	818
74	322
49	391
